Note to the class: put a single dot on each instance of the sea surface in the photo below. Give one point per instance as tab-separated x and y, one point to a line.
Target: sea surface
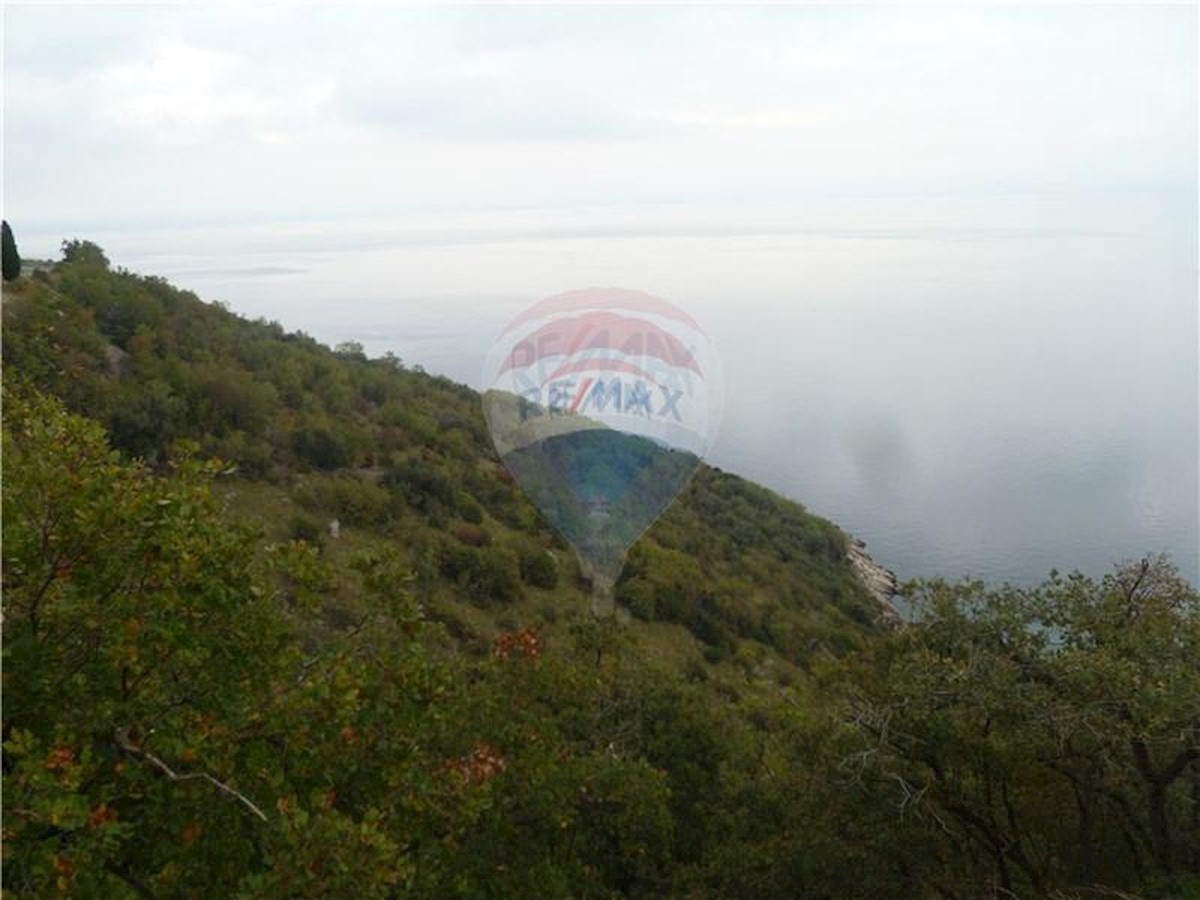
987	386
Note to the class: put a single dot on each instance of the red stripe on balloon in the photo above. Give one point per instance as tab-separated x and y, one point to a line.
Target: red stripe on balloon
587	382
600	331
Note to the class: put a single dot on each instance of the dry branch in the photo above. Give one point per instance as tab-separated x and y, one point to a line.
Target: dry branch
128	746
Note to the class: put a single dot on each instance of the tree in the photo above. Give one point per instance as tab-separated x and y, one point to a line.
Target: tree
350	350
86	252
133	632
11	258
144	420
320	447
1048	738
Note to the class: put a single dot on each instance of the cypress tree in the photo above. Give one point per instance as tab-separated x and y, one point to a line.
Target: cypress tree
11	258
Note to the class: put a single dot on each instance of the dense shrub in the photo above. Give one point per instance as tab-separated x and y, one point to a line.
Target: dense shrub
421	484
471	535
146	418
306	528
637	595
538	568
320	448
468	509
251	457
486	575
354	501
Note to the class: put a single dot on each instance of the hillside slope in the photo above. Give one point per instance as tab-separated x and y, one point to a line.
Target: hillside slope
395	455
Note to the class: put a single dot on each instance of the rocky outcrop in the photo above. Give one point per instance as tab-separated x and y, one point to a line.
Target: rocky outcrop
115	357
880	582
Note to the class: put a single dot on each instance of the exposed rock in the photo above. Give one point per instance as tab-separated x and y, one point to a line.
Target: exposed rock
115	357
879	581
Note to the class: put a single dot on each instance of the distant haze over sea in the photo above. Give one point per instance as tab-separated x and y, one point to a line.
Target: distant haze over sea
990	386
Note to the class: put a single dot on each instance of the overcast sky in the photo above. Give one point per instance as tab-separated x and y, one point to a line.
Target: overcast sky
132	116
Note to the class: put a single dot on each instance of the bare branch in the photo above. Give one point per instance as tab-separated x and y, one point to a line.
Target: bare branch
123	741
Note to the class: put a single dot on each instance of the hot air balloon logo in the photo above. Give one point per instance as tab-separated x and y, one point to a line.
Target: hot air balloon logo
602	402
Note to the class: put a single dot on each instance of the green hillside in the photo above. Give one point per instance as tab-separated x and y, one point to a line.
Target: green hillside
211	691
312	434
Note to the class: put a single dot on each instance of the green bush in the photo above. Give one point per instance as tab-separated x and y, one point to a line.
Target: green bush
354	501
320	448
251	456
421	485
538	568
471	535
637	596
306	528
146	418
468	509
486	575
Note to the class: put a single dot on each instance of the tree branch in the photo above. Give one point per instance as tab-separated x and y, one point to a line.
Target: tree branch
1175	768
122	735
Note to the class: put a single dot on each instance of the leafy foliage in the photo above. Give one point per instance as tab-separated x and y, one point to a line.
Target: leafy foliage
1051	735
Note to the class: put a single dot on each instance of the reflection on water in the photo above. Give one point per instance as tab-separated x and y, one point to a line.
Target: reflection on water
996	388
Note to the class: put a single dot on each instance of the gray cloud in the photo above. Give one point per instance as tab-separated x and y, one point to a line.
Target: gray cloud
191	114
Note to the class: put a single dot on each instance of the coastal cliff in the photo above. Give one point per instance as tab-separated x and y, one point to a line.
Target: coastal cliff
879	581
